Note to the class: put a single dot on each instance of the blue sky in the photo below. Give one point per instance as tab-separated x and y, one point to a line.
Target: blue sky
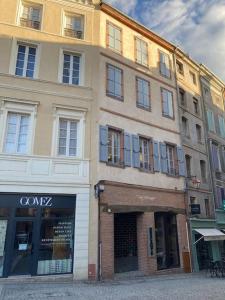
196	26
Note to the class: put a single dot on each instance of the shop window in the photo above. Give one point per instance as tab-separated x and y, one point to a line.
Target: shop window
26	212
3	227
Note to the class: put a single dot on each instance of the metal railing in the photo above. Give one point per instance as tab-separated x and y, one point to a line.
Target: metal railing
30	23
73	33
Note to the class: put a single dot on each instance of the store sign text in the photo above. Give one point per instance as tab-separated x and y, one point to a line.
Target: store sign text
36	201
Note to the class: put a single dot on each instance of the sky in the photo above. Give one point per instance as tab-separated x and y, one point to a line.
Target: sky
196	26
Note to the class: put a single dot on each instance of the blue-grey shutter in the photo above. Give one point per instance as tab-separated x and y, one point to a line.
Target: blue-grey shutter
103	143
163	156
156	156
127	149
136	151
181	161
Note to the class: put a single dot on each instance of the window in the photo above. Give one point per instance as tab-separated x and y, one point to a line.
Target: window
188	165
164	64
26	59
114	37
220	196
17	131
203	170
143	93
71	68
182	97
74	26
192	200
115	141
141	52
196	106
114	82
206	93
221	126
211	121
67	137
167	103
207	208
216	157
199	133
180	67
145	154
193	77
185	127
171	159
31	15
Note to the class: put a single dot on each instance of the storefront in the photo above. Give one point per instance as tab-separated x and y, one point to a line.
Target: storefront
36	234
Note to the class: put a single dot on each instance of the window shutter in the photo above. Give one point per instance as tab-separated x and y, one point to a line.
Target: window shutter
127	149
103	143
215	157
136	151
163	154
181	163
156	156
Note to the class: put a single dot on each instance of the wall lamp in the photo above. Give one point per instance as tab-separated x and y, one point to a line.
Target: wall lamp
99	188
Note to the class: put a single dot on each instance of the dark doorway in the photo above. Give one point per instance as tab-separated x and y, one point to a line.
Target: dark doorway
166	240
204	252
125	242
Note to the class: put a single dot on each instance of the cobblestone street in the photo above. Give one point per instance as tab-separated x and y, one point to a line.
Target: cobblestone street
165	287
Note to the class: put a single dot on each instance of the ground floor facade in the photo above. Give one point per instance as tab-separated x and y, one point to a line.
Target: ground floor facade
142	229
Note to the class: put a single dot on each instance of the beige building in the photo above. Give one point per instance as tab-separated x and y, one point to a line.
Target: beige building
46	97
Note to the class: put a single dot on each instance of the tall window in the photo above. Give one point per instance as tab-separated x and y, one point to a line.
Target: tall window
165	65
193	77
114	82
203	170
143	93
74	26
180	67
216	158
31	15
182	97
171	159
67	137
16	138
188	165
220	196
26	59
114	37
207	208
211	121
185	127
221	126
167	103
199	133
71	68
115	141
141	52
145	156
196	106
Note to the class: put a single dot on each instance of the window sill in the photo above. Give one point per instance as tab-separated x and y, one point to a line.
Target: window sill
141	65
120	166
115	98
144	108
146	171
115	51
164	76
168	117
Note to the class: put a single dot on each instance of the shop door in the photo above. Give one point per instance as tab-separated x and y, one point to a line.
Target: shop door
22	254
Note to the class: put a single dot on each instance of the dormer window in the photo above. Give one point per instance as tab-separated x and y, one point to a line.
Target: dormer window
31	15
74	26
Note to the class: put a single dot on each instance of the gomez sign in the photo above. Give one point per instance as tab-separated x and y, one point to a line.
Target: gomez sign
42	201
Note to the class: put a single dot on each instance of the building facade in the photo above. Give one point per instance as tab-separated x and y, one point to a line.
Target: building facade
45	99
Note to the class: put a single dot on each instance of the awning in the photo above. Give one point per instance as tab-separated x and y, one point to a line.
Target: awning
211	234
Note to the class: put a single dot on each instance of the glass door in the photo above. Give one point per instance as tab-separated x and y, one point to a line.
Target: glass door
22	248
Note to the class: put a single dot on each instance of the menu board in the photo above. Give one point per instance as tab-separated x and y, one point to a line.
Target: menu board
3	227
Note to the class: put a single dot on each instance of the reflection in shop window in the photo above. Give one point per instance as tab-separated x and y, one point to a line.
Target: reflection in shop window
56	243
3	227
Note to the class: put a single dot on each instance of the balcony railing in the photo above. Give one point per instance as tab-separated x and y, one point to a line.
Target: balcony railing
73	33
30	23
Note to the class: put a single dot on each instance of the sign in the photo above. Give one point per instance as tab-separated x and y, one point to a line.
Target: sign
36	201
195	209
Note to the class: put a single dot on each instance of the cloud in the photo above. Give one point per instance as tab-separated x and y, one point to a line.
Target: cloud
197	26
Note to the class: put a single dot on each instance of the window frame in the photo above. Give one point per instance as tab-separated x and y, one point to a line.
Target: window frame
193	77
108	23
197	133
178	63
33	5
163	113
175	172
68	113
136	51
122	83
188	159
195	100
150	154
121	147
203	163
73	14
183	92
68	131
186	134
148	108
170	65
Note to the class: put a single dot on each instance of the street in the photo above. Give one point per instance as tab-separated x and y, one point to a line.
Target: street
195	287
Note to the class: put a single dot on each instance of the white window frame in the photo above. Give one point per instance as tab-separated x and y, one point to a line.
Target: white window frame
73	14
18	107
73	114
33	4
82	66
14	53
